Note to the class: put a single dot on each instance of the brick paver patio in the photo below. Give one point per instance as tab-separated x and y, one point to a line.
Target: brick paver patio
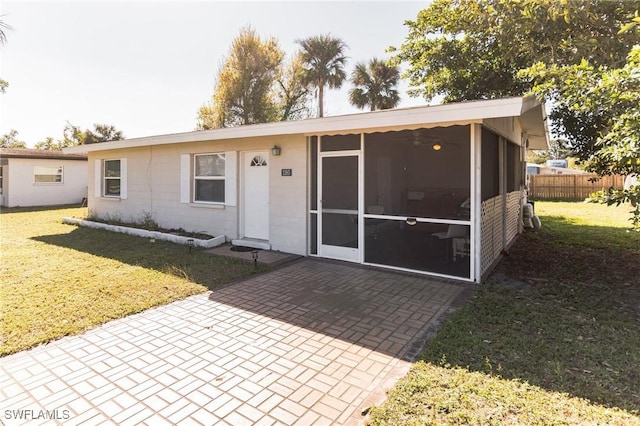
314	342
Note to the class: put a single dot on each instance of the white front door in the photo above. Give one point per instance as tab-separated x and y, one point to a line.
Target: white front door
256	194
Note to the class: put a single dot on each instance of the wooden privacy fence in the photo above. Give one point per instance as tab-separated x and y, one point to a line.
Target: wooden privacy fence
569	187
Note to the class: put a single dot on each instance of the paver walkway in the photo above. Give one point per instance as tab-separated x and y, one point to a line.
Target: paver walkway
314	342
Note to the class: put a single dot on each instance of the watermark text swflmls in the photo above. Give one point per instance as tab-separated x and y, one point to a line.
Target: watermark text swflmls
30	414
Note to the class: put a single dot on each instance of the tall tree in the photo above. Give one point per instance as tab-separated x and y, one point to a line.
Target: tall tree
3	35
324	61
102	133
243	93
291	92
606	104
74	135
48	143
3	40
474	49
375	85
10	140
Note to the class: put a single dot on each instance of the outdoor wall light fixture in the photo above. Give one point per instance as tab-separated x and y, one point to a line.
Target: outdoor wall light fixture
276	150
254	253
411	221
436	147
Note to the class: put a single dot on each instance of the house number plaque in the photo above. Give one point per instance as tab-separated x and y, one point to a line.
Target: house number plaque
287	172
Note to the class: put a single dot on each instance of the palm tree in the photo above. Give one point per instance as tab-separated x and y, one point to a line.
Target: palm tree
375	85
3	27
323	58
3	39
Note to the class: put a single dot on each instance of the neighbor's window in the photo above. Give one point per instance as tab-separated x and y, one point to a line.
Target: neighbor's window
112	178
43	174
208	178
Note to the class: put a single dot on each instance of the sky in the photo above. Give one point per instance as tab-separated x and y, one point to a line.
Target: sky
146	67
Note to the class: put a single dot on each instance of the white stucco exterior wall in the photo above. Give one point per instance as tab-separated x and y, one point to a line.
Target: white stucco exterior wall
153	186
289	198
20	190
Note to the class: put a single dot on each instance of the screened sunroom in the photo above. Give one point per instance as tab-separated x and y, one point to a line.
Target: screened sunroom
442	200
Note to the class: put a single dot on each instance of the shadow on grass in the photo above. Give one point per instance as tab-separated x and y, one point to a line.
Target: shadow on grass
561	312
199	267
9	210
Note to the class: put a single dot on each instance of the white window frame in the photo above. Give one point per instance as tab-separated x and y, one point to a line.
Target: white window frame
195	178
59	172
105	178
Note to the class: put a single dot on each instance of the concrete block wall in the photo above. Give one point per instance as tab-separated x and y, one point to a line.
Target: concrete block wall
153	188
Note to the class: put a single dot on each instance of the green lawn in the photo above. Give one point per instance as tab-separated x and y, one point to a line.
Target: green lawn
60	279
552	338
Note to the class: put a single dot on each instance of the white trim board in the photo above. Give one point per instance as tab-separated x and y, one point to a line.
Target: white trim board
401	118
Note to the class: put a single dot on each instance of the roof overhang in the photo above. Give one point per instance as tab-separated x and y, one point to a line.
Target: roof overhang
528	109
41	154
534	123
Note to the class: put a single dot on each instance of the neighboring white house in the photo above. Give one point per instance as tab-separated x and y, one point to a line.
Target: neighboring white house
36	177
541	169
434	189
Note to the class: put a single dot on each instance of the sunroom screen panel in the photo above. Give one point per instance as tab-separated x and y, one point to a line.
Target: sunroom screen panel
419	173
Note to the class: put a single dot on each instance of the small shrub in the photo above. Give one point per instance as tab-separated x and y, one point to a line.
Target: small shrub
148	222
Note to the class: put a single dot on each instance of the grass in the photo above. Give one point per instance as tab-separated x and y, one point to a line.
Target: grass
553	337
59	280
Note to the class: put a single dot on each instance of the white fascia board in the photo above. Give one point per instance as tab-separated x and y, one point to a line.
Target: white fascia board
414	117
535	123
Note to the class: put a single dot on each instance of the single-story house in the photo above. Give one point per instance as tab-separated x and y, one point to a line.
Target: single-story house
37	177
433	189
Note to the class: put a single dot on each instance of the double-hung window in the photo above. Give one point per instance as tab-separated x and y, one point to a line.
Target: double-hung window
209	178
112	178
44	174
